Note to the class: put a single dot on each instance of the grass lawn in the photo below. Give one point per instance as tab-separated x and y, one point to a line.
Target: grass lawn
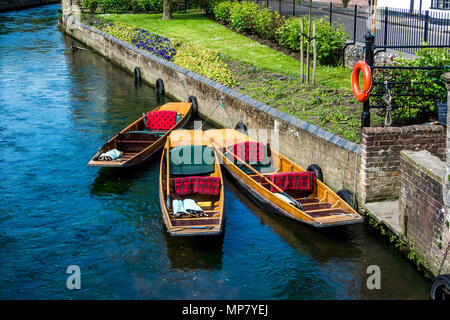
263	73
197	29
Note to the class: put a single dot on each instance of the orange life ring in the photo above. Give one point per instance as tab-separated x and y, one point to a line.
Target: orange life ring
364	94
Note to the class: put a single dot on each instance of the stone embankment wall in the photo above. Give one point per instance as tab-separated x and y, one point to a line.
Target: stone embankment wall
380	175
19	4
422	212
300	141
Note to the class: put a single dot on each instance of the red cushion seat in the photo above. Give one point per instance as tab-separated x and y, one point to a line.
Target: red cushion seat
249	151
196	184
161	120
293	180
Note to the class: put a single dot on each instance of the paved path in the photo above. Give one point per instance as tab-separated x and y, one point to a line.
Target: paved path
387	213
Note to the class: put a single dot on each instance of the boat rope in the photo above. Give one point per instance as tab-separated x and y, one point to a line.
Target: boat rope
387	98
220	103
185	90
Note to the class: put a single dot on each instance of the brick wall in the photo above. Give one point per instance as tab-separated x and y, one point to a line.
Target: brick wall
380	156
421	202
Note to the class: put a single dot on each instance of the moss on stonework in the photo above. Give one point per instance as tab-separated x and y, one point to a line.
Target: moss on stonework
406	249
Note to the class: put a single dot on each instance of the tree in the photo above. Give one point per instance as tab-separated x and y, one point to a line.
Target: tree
167	10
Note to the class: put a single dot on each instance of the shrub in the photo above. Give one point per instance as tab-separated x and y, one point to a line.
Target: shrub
151	5
330	38
265	23
222	11
113	6
91	5
211	4
134	6
241	15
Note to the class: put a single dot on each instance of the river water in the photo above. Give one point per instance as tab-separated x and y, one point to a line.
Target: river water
56	109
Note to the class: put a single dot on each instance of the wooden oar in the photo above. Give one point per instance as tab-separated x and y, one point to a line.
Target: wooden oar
168	173
296	203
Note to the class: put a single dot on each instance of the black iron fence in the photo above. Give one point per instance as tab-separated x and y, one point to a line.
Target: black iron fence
393	26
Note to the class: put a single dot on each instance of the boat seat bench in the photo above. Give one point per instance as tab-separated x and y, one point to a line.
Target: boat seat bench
185	160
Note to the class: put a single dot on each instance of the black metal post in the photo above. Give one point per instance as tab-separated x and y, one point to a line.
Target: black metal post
331	12
425	29
370	40
267	3
354	22
185	6
280	8
293	8
386	14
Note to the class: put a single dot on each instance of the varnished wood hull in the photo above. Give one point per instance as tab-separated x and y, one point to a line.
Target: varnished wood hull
129	160
321	196
190	226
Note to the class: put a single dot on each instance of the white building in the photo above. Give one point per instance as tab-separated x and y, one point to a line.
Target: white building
433	6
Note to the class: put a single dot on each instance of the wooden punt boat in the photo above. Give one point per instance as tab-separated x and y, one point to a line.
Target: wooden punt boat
316	205
190	169
141	139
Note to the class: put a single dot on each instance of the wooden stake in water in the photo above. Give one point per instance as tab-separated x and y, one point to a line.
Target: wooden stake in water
314	54
301	50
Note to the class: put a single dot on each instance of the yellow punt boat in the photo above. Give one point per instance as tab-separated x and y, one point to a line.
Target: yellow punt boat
144	137
191	191
278	184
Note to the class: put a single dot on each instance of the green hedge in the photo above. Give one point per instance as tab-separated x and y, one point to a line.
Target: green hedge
330	38
249	17
134	6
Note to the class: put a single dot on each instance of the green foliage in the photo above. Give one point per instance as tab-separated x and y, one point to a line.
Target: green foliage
241	15
423	82
206	62
120	30
134	6
114	6
249	17
330	38
222	11
211	4
90	5
265	23
151	5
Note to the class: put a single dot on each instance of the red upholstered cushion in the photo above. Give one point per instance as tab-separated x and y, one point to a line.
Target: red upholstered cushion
293	180
161	120
249	151
195	184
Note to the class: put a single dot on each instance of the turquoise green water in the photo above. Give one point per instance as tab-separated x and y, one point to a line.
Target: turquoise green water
55	111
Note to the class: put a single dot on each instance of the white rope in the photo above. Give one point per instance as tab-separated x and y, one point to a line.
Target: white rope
387	98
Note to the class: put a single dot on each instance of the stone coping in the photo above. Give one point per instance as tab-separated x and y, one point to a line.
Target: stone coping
425	161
